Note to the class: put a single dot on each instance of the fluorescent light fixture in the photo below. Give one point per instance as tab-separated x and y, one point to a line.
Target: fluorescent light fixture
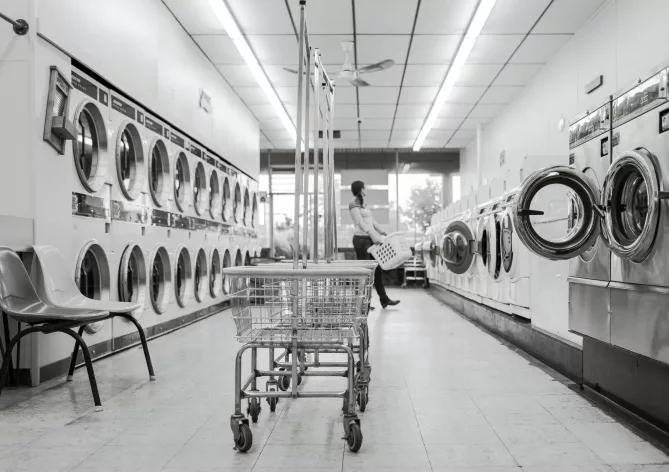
480	17
228	21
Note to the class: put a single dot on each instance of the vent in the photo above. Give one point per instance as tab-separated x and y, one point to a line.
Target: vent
57	129
336	134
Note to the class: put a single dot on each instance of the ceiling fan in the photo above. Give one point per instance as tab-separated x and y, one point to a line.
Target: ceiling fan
353	75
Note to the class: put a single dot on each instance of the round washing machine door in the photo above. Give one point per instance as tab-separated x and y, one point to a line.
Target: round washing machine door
482	244
92	276
494	246
509	242
90	147
556	213
456	247
132	277
631	201
432	251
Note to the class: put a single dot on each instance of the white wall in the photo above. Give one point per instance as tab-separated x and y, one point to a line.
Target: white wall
139	47
622	42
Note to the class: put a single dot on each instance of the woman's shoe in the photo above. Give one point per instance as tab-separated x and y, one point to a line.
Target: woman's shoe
389	302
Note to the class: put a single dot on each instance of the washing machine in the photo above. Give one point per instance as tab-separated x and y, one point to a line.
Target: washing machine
636	218
136	244
92	150
181	195
470	218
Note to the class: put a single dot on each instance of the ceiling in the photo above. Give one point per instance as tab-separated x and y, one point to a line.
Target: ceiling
421	36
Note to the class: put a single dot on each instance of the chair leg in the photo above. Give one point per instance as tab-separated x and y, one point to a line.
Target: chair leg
89	366
5	325
6	360
142	337
75	353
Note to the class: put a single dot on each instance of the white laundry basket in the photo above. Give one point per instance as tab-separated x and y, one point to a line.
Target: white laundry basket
392	252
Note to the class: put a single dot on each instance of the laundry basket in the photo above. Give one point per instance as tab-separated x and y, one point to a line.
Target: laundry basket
392	252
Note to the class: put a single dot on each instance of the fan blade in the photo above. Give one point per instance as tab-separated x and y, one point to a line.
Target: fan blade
379	66
358	82
293	71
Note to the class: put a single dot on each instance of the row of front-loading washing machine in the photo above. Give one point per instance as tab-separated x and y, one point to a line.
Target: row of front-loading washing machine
471	248
155	217
606	212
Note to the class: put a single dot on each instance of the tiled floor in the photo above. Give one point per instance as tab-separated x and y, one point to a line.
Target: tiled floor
445	396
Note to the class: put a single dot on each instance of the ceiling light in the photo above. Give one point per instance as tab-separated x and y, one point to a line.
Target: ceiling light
482	12
230	24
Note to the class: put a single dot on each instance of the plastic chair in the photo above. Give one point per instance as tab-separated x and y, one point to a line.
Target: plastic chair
19	300
58	288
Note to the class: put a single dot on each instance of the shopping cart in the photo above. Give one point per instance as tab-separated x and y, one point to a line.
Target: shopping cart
360	348
298	309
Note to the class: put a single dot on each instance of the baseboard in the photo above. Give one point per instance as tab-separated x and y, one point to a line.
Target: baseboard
561	355
121	343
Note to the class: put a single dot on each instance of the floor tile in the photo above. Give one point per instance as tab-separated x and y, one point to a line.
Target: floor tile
552	454
512	434
469	455
391	457
640	468
302	457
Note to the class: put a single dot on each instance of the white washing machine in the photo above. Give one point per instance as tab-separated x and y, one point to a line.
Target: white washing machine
181	195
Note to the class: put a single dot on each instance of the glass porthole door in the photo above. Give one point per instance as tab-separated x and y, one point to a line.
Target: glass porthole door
456	247
557	213
631	200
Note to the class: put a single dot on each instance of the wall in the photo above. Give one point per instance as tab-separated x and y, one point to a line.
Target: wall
139	47
622	42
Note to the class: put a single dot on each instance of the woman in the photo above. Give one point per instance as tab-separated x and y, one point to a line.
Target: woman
367	233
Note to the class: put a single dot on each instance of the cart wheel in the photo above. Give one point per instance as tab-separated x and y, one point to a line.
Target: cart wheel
284	383
362	400
354	440
245	440
254	409
272	404
299	379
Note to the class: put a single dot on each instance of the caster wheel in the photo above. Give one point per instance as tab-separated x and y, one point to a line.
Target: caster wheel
354	439
299	379
284	383
363	399
272	404
245	440
254	409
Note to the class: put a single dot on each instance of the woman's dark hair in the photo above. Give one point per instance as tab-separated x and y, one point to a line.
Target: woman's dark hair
356	189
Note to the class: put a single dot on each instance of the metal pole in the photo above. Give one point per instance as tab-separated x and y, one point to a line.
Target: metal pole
305	187
334	204
326	181
271	205
20	26
298	142
317	82
397	191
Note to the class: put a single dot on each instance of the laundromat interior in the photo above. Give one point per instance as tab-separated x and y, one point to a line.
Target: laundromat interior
337	235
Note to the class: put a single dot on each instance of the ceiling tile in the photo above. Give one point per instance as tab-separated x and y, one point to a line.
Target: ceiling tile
497	94
424	75
330	17
464	134
346	143
262	17
539	48
346	111
466	94
434	49
237	76
514	16
384	16
567	16
279	76
268	123
494	49
375	111
486	110
374	143
445	16
518	74
219	49
413	111
413	95
349	134
329	46
345	96
441	135
407	123
372	95
433	144
252	95
274	49
284	144
472	123
478	74
402	143
379	47
348	124
375	134
405	134
277	134
447	123
455	110
195	16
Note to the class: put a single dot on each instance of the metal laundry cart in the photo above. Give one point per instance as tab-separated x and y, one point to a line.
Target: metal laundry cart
303	307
